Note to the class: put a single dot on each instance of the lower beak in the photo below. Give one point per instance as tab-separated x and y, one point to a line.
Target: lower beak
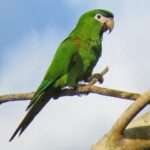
109	24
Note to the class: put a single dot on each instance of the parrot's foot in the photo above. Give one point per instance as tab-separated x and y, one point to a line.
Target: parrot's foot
96	77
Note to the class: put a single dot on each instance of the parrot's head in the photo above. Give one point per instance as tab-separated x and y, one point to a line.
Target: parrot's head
96	20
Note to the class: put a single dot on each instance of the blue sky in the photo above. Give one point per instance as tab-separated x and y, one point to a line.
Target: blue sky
29	35
21	17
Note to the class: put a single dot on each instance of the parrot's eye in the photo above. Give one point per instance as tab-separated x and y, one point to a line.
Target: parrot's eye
98	16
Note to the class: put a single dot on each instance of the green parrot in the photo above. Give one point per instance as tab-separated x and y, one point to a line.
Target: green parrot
74	61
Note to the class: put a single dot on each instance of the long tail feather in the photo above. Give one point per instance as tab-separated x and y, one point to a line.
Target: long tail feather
32	112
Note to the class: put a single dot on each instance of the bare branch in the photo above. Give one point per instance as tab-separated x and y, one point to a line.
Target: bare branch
16	97
130	113
81	89
121	139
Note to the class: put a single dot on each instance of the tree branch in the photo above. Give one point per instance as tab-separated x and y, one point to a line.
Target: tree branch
120	138
16	97
130	113
81	89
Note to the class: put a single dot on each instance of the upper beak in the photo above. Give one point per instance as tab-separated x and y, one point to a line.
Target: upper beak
109	24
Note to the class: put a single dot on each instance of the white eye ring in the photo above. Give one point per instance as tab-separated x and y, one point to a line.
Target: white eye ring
98	17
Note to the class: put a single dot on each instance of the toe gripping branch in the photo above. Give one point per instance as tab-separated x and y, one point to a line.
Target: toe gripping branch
98	77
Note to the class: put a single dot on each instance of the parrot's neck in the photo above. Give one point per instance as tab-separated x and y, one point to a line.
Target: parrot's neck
88	32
